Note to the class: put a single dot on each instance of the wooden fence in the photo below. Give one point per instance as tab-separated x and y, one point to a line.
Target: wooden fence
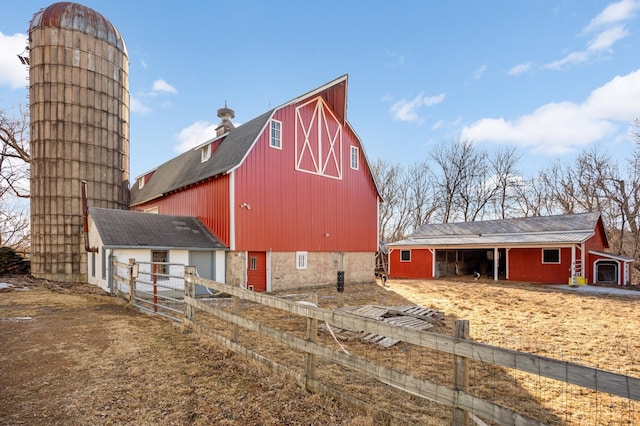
462	403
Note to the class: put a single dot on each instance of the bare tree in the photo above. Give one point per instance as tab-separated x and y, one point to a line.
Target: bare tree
462	181
394	213
14	180
507	181
423	199
14	154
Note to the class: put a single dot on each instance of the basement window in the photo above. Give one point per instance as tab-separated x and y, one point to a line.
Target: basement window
301	259
405	255
551	256
355	158
276	134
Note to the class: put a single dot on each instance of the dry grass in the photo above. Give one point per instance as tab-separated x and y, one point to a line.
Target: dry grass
86	358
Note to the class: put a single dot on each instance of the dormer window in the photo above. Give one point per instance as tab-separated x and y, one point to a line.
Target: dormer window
276	134
205	153
141	182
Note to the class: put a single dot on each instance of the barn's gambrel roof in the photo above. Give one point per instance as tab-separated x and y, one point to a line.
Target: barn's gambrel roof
539	230
187	168
124	228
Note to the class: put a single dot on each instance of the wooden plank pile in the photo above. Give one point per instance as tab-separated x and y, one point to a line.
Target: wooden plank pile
412	316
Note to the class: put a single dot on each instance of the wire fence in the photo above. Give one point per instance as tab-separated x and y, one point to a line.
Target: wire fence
574	405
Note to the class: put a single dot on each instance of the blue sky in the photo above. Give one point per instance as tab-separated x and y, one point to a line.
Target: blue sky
550	77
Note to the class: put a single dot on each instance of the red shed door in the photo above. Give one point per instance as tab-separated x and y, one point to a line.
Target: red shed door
257	271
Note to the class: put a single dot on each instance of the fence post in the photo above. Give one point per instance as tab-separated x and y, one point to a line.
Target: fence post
235	308
132	282
460	373
189	291
312	336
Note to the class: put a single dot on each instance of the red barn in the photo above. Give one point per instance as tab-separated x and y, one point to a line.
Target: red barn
553	249
290	193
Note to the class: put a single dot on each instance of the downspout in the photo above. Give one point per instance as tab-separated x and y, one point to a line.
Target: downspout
85	220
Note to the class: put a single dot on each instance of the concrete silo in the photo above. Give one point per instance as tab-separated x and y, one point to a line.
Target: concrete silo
79	108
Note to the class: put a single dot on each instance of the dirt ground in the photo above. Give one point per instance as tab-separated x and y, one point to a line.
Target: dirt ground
71	354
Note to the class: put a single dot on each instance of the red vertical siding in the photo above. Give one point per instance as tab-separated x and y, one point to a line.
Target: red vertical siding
209	201
420	266
525	264
295	210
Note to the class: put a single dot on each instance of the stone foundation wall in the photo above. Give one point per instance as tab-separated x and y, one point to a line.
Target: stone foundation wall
322	269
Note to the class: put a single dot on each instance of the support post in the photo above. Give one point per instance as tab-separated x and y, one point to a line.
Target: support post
132	282
460	373
312	336
189	291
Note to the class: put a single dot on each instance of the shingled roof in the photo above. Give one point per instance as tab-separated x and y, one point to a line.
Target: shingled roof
187	168
124	228
573	228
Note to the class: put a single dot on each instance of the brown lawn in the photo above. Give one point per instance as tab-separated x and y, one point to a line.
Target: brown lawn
72	355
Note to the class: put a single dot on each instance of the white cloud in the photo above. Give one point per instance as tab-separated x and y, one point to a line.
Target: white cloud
477	74
407	110
137	106
615	12
162	86
561	127
391	59
14	73
607	29
195	134
144	64
607	38
140	102
520	69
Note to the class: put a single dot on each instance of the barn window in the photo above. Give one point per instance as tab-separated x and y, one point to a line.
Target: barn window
276	134
160	258
205	153
405	255
355	158
551	256
301	260
253	263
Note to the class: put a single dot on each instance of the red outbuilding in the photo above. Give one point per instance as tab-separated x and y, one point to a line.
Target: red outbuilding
554	249
290	193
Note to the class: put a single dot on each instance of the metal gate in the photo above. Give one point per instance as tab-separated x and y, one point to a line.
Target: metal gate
158	287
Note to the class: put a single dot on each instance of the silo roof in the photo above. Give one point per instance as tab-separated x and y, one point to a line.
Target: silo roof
77	17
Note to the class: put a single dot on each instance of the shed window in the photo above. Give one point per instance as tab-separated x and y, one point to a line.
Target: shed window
253	263
355	158
160	259
405	255
276	134
551	256
301	260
